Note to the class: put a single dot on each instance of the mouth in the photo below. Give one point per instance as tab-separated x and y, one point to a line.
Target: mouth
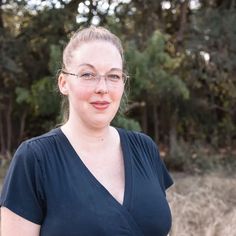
100	105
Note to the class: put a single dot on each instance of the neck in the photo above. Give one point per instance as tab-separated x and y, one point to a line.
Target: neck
85	136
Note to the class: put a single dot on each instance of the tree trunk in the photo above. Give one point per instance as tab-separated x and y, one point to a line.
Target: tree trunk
2	139
22	125
155	119
232	5
144	120
183	21
9	125
173	135
1	20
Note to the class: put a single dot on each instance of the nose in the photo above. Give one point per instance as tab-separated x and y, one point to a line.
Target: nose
101	86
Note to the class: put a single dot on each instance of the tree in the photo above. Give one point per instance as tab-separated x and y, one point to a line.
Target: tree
153	72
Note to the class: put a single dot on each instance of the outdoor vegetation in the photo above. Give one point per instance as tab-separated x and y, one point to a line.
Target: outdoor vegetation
181	59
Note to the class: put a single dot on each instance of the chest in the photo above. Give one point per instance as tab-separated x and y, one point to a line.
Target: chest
108	170
83	195
79	202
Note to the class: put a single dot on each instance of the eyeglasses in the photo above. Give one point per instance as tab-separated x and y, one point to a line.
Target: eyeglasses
113	79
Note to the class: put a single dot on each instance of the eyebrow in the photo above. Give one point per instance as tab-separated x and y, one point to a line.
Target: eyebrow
93	67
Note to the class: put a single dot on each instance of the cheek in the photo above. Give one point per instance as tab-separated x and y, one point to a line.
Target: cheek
80	93
118	94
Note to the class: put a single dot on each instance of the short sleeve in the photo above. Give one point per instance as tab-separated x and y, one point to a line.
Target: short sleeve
167	181
22	190
164	177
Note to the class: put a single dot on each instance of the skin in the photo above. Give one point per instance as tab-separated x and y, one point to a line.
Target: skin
88	128
13	224
103	56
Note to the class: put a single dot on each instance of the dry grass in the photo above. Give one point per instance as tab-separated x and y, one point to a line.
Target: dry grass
203	205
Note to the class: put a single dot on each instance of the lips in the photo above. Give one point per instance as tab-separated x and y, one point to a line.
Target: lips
100	105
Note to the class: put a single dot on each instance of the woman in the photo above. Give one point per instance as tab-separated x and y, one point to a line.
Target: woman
87	177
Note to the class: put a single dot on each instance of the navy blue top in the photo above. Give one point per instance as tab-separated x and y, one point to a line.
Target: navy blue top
48	184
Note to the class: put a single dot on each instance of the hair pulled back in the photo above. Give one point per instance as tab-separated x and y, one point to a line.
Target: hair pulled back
89	34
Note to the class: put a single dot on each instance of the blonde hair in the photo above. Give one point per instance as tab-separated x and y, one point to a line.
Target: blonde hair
89	34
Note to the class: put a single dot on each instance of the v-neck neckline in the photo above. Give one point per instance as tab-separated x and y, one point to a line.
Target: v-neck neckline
126	165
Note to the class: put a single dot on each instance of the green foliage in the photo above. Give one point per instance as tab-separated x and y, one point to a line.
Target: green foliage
22	95
153	70
136	70
55	59
42	95
172	88
126	123
44	100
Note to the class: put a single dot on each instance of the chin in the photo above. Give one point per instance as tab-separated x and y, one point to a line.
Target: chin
99	124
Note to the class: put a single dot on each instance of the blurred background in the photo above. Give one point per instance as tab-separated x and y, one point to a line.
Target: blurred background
181	58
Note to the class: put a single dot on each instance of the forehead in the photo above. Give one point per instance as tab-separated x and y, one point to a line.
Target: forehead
97	53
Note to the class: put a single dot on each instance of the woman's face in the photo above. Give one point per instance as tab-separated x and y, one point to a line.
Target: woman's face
93	103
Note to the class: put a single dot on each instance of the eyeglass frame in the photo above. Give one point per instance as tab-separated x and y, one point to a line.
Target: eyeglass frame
97	76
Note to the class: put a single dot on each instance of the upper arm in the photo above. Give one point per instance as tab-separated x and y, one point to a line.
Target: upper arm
164	177
22	191
15	225
157	163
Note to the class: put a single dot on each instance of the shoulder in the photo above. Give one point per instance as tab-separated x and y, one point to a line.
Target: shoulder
137	138
144	148
44	138
38	145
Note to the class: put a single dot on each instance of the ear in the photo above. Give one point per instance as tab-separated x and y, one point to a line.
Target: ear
62	84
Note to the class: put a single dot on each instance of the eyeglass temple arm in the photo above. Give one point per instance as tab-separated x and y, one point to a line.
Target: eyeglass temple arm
67	73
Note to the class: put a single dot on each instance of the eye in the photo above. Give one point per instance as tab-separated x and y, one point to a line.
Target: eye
88	76
114	77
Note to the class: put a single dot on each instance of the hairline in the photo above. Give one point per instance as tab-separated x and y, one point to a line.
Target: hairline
92	40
